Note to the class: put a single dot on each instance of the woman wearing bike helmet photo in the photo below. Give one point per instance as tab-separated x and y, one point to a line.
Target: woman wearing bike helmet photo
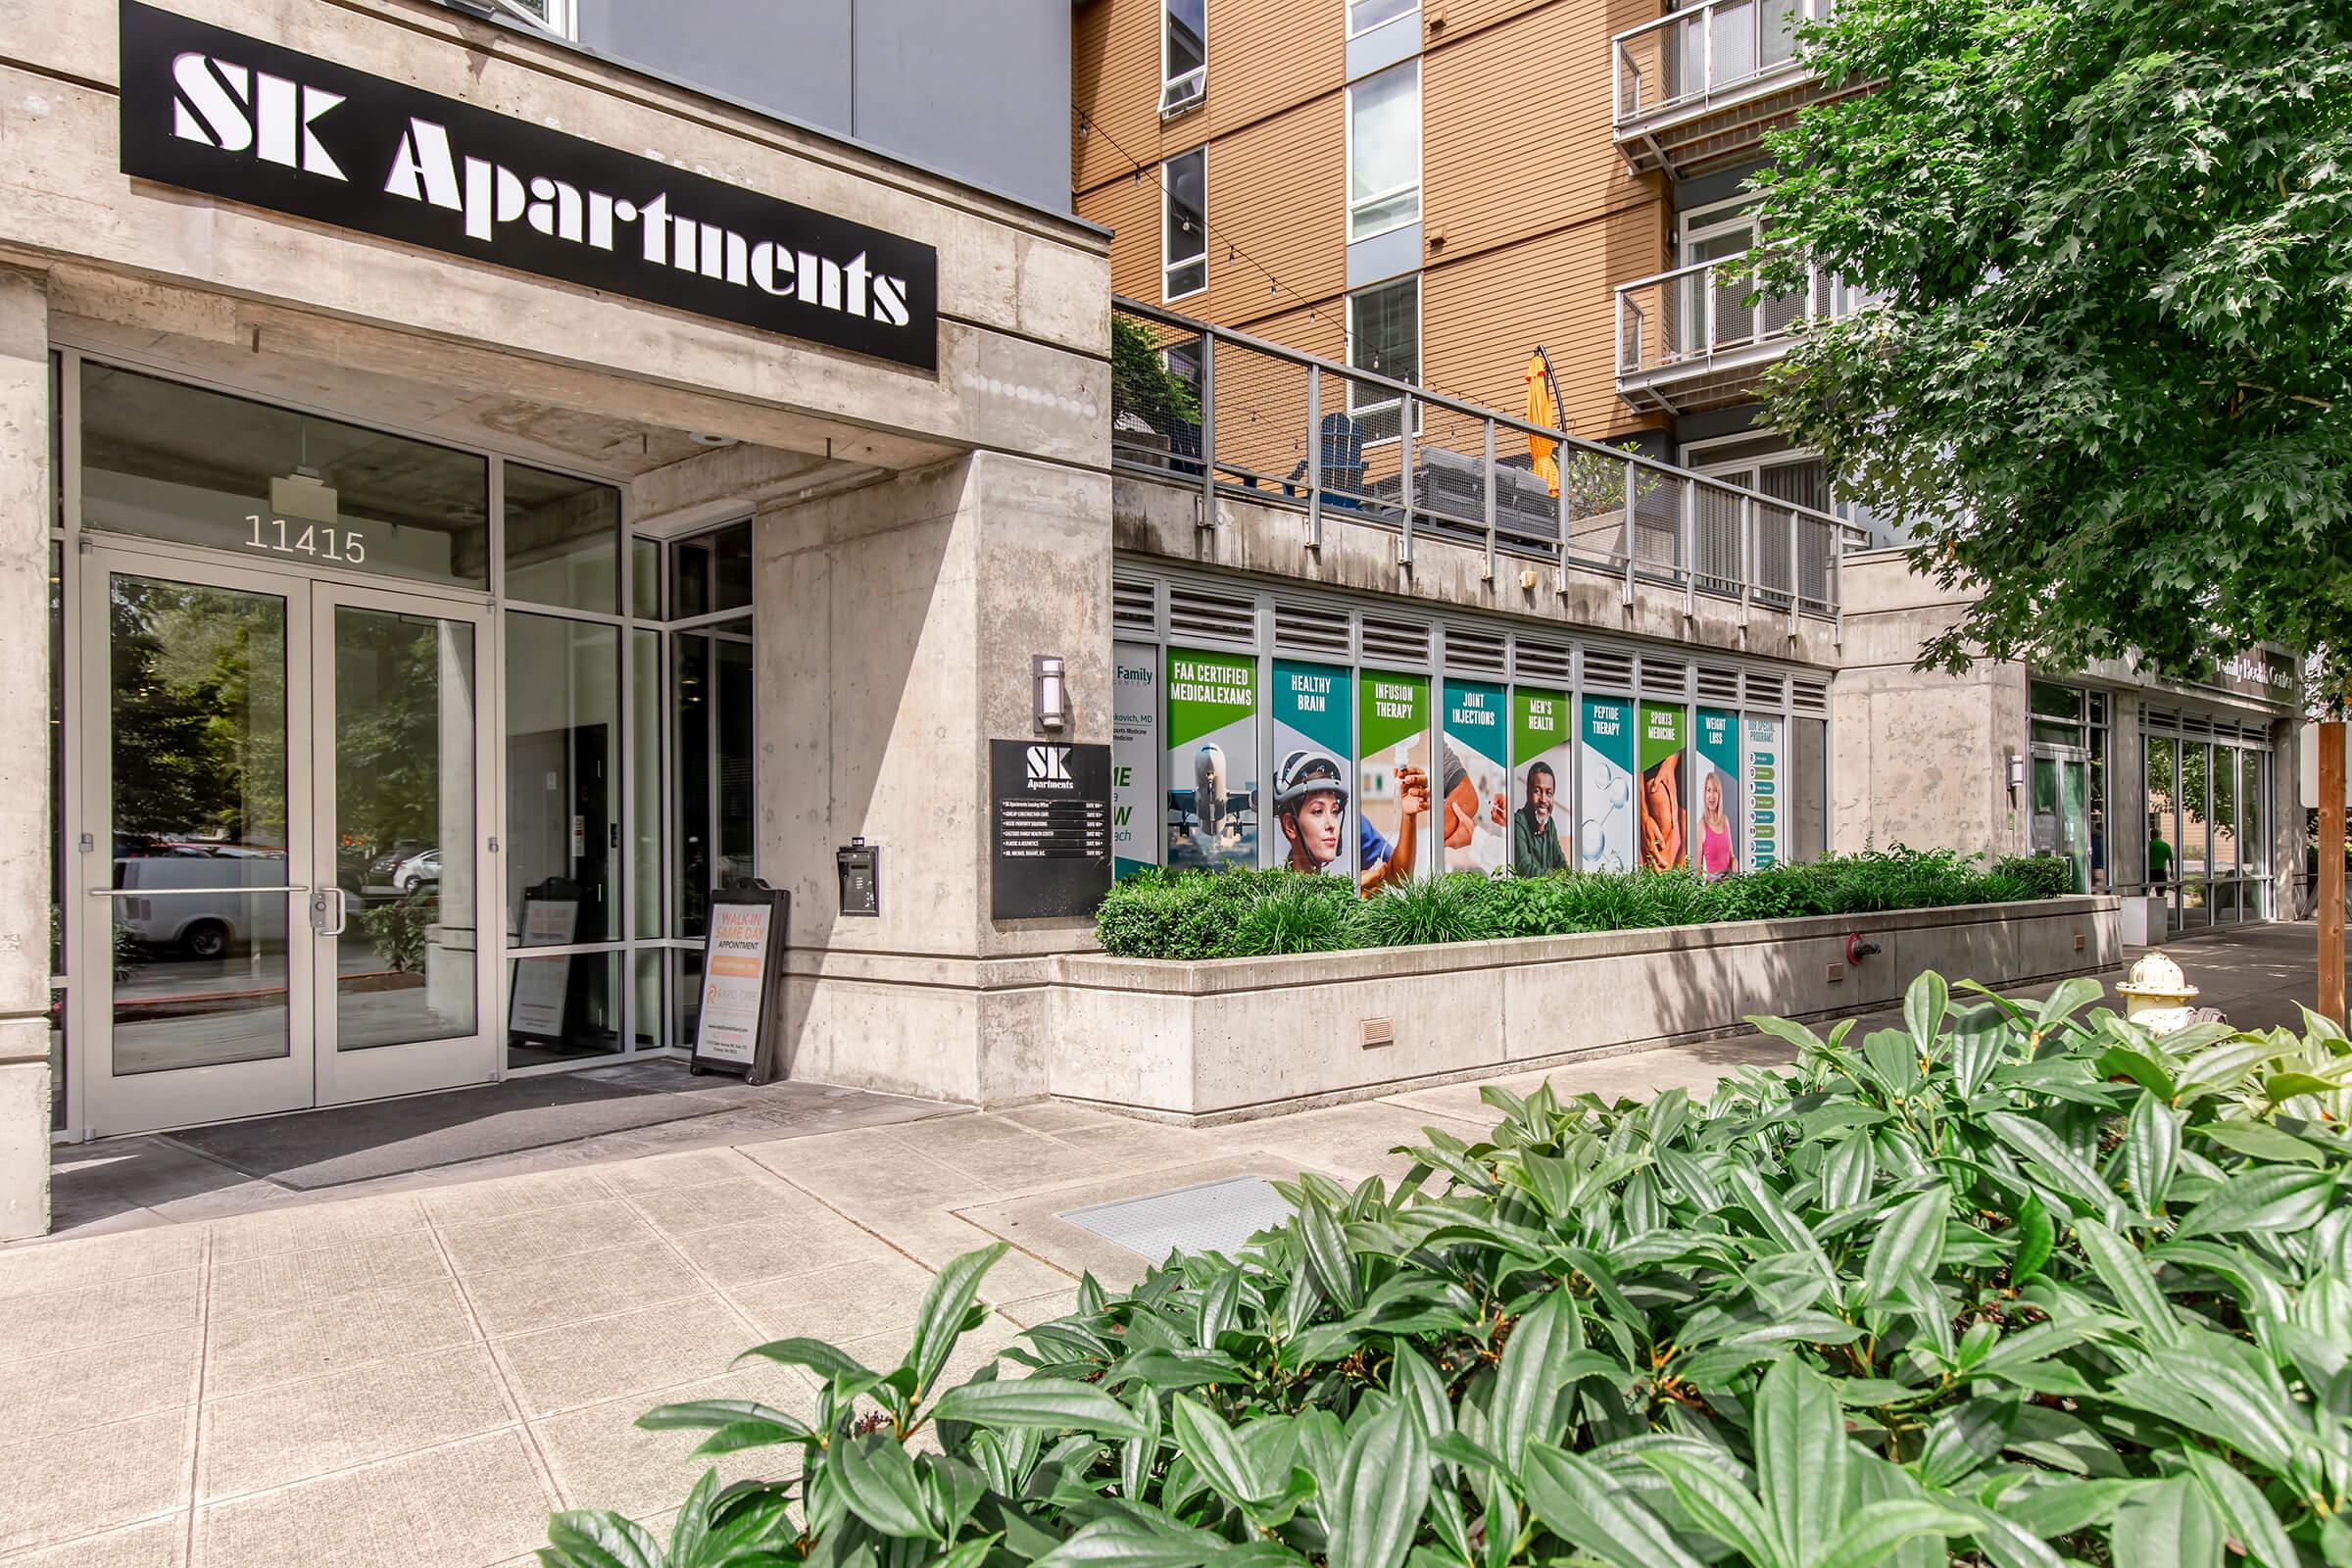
1310	802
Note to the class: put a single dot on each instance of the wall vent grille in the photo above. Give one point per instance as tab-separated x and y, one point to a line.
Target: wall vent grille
1719	686
1194	612
1134	606
1310	630
1608	669
1475	652
1396	642
1543	661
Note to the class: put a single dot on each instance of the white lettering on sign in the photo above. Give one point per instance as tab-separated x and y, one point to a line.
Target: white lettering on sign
219	103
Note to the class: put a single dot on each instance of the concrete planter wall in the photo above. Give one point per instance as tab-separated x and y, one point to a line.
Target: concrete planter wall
1240	1037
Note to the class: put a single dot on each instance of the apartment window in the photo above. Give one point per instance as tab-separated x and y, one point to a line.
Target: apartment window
1384	336
1184	224
561	17
1384	151
1183	55
1365	14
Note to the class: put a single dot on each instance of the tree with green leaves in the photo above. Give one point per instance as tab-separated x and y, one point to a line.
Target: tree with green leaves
2108	384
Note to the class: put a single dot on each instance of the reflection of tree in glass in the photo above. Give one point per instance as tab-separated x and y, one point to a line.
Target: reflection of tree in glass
389	691
199	679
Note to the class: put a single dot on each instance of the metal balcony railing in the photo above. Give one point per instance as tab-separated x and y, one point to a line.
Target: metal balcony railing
1696	337
1240	418
1705	54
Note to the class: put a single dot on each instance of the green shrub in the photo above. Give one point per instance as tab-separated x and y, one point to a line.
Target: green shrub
1205	915
1296	914
1455	908
2006	1286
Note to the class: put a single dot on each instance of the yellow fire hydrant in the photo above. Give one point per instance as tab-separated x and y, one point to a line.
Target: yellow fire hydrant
2156	995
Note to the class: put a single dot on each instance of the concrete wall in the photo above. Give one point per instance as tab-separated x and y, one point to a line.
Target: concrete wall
979	93
896	627
25	510
1919	758
1240	1037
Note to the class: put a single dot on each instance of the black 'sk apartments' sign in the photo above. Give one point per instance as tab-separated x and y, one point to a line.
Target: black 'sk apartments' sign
218	111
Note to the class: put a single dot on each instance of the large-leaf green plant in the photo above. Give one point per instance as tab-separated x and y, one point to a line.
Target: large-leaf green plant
2015	1283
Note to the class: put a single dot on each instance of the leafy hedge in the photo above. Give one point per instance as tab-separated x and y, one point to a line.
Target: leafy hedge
1238	914
2006	1284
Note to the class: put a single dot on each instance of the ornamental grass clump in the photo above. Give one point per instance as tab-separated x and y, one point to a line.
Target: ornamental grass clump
2013	1284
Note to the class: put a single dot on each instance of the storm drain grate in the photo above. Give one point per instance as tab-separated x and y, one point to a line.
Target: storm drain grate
1219	1218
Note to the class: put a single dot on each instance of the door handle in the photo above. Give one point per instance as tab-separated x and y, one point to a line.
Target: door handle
320	921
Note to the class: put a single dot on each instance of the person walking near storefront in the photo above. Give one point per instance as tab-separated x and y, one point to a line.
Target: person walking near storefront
2160	858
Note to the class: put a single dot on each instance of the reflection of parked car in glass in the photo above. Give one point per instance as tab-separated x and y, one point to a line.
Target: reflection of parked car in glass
197	908
384	868
420	871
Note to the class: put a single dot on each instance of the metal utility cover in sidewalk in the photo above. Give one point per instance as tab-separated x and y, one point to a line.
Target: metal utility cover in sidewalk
1219	1218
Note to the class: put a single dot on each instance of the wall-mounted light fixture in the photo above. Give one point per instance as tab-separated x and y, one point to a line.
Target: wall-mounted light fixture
1053	691
2017	776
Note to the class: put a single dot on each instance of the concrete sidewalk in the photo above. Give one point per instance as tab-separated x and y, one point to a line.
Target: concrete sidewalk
416	1377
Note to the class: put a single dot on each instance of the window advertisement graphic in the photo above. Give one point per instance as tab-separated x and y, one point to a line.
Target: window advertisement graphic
1134	755
1539	776
1314	768
1213	760
1665	830
1605	825
1476	777
1761	768
1392	776
1716	829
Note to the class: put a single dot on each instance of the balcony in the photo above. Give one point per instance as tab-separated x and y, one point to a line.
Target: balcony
1696	90
1339	447
1697	337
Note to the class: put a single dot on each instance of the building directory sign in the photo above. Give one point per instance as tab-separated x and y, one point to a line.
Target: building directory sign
1314	715
1051	817
1133	757
1539	778
1477	774
208	110
1212	760
1604	833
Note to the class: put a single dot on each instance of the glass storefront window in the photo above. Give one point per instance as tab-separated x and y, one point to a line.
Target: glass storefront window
651	1008
710	573
645	580
715	812
1809	816
563	780
644	782
562	1007
164	460
562	540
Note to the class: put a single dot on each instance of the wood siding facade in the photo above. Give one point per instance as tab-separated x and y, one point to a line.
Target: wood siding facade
1529	216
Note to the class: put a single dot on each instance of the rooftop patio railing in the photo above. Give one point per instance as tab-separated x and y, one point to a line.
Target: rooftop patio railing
1262	423
1704	53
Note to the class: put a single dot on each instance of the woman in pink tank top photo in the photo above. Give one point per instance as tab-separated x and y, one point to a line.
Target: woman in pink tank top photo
1715	857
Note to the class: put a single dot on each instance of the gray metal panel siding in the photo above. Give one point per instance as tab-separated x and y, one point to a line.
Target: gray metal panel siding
976	92
1384	255
1385	46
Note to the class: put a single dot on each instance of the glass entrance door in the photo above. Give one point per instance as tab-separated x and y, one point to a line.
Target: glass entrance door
2061	812
281	882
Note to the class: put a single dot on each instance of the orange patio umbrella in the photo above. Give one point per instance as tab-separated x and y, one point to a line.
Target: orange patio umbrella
1543	408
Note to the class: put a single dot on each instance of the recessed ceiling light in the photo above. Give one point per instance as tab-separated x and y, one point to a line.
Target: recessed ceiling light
704	438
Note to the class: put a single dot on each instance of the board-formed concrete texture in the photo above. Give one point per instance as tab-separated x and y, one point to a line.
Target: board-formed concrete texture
1241	1037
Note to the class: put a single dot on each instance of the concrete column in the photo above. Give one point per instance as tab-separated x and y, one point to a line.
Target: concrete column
26	492
895	627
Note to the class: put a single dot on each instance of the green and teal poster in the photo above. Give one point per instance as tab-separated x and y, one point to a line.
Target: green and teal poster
1539	775
1213	760
1716	816
1761	765
1133	757
1665	834
1477	776
1314	768
1604	830
1392	773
